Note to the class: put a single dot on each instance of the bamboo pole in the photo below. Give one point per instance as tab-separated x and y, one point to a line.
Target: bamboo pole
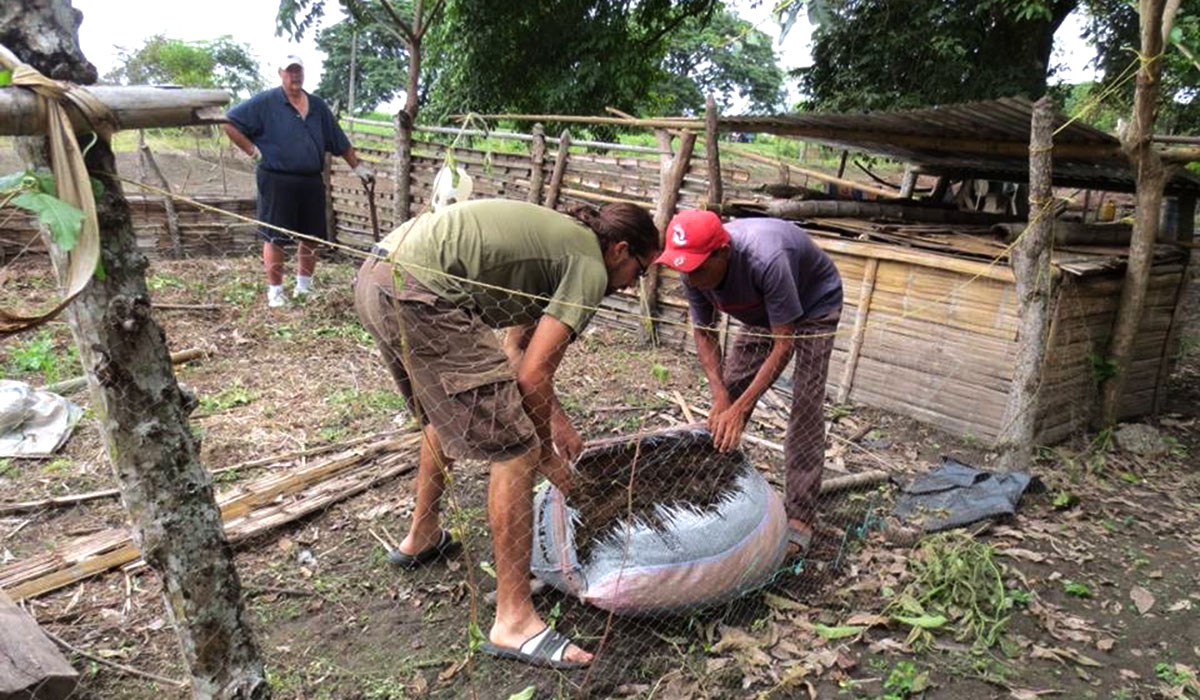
1031	267
537	159
712	150
1150	176
134	107
865	295
667	199
67	386
560	167
814	174
168	202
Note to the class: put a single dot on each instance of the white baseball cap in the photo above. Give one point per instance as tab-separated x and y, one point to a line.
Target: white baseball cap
289	60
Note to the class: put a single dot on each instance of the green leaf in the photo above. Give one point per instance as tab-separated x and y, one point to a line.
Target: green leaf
925	622
1065	500
487	568
838	632
474	636
64	220
101	273
526	694
45	181
1079	590
5	77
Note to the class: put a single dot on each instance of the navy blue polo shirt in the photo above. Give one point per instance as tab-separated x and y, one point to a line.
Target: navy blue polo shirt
288	143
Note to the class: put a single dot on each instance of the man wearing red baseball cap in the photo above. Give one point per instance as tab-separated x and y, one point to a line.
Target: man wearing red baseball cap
770	275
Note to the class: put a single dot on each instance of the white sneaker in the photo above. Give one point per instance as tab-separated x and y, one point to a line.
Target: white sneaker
275	297
303	287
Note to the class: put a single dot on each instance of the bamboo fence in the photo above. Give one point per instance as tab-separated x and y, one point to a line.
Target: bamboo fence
929	325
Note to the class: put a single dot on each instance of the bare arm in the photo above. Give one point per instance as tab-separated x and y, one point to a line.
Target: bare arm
564	436
351	157
535	377
728	426
708	350
238	138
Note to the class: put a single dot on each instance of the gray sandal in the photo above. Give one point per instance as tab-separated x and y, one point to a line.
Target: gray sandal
546	648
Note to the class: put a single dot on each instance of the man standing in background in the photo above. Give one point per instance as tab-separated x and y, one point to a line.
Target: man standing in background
288	131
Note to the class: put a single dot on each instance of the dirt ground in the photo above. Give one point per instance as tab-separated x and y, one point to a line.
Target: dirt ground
1097	569
335	621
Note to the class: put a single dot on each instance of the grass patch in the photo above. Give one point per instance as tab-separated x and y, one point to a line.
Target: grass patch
39	356
236	395
354	404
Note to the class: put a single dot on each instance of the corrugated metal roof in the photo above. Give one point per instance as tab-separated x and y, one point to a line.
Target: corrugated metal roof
979	139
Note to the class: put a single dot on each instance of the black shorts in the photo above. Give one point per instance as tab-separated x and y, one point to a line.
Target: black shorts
294	202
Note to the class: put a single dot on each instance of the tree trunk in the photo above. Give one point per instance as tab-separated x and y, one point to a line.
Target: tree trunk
166	490
401	203
1150	175
1031	267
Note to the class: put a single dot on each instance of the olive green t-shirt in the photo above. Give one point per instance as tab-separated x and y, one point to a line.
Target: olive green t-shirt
506	245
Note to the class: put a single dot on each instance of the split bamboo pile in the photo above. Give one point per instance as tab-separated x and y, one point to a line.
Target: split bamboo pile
248	510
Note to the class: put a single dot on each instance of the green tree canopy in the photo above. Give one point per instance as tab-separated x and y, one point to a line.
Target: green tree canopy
726	56
1113	28
575	56
216	63
381	64
895	54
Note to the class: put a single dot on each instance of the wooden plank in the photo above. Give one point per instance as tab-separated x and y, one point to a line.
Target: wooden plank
31	667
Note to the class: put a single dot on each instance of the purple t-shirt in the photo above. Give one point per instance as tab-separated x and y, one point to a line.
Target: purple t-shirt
776	275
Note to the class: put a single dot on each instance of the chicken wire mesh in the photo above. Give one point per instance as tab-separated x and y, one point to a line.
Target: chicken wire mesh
636	655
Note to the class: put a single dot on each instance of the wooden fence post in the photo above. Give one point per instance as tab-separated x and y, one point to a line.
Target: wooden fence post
865	294
330	215
1031	268
560	167
168	203
667	199
537	158
712	151
403	175
908	183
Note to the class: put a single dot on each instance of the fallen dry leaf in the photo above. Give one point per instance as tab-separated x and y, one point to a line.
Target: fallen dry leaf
452	670
867	620
1182	605
734	639
1026	554
1142	599
1026	694
1106	644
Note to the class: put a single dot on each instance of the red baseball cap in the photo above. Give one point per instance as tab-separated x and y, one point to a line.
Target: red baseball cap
691	237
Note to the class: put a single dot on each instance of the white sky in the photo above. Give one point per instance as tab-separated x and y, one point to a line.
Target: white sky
108	24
